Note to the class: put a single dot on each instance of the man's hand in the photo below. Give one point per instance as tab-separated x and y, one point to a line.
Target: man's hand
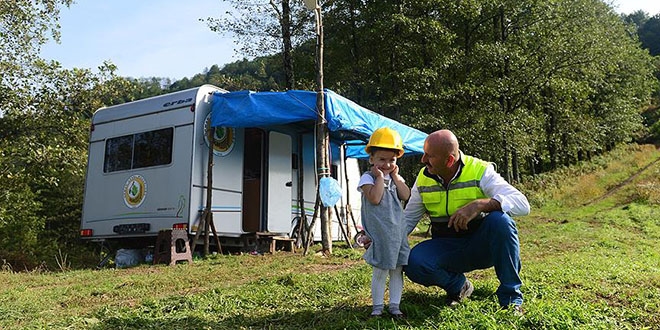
460	219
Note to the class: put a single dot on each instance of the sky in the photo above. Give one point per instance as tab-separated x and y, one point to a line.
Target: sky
164	38
651	7
143	38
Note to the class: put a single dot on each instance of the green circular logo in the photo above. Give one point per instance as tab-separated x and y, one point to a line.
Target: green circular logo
135	190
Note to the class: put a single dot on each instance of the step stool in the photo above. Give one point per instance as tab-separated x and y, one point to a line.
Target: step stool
281	242
273	243
172	245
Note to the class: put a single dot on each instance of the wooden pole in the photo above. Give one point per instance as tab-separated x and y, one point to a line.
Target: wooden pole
348	192
343	231
206	220
349	209
209	190
322	140
302	222
215	233
310	230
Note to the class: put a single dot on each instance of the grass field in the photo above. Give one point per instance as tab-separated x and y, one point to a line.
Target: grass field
590	251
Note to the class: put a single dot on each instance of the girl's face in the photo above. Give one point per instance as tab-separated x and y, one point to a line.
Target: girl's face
384	160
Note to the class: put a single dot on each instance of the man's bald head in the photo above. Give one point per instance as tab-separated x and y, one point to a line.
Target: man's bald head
443	142
441	153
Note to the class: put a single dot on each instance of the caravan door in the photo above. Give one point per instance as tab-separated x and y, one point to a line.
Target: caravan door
279	183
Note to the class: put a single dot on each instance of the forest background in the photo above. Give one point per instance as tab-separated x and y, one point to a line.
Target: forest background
531	85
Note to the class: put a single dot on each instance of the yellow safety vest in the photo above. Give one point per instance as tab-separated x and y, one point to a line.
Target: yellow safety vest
441	203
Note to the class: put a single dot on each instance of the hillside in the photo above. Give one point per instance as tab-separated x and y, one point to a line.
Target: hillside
590	251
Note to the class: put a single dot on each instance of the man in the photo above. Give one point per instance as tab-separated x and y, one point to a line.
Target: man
470	206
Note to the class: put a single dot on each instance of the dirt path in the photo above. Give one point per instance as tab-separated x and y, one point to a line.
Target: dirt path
623	183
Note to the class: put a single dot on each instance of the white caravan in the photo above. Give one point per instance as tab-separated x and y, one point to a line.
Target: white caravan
147	168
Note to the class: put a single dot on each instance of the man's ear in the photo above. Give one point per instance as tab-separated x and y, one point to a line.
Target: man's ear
451	160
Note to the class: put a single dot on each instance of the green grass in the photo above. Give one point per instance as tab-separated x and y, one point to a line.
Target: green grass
590	251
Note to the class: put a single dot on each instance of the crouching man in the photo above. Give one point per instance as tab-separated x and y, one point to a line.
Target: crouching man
470	206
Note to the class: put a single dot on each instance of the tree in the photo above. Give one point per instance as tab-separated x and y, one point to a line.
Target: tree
260	74
43	153
266	27
649	35
501	72
24	27
636	18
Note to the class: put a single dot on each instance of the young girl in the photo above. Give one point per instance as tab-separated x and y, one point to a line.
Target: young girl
383	189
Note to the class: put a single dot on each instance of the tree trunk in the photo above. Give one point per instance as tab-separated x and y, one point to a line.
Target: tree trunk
566	156
500	34
515	166
286	41
357	56
551	143
505	160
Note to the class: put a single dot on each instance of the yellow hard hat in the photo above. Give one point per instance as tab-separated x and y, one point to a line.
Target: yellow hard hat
387	138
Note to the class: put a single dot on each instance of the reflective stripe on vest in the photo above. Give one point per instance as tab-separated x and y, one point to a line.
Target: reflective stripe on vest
442	203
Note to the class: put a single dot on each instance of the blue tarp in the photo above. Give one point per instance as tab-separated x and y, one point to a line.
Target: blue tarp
348	122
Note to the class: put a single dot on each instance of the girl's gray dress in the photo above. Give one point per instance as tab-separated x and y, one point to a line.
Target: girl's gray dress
384	224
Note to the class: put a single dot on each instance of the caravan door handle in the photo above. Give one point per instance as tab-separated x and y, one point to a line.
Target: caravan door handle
289	184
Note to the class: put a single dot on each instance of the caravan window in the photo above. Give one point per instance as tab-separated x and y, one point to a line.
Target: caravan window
138	150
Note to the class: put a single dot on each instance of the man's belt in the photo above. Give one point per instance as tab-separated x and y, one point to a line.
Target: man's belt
439	227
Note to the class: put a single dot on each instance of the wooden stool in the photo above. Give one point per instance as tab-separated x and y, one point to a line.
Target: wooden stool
286	244
172	245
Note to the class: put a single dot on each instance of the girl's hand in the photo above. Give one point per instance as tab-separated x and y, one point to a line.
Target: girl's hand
377	172
395	171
